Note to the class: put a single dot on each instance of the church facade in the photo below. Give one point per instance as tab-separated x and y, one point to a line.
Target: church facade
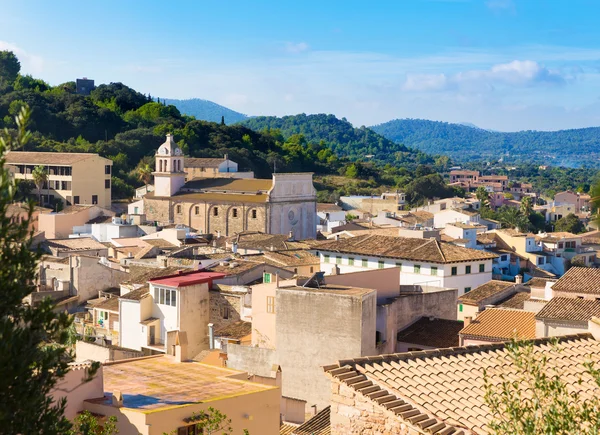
225	206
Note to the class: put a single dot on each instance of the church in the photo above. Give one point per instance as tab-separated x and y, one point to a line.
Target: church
285	204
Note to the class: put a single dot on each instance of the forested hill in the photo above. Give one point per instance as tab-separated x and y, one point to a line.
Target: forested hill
570	148
341	136
206	110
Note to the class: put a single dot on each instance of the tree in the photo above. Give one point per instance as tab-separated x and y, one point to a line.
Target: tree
483	196
144	173
9	67
526	205
212	421
33	355
532	399
40	177
87	424
222	120
569	223
511	217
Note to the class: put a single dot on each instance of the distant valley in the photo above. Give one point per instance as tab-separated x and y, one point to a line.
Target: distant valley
206	110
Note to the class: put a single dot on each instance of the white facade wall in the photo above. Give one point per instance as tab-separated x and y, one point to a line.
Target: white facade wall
136	207
441	218
130	330
408	276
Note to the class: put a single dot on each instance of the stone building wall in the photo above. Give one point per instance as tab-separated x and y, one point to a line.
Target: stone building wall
221	301
354	414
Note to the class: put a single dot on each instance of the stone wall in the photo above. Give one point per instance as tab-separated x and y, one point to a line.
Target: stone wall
354	414
220	302
254	360
96	352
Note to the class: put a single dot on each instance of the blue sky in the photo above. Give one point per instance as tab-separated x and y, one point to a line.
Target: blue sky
500	64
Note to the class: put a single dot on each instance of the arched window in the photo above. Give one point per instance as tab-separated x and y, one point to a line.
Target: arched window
254	214
234	212
178	208
166	165
216	211
160	165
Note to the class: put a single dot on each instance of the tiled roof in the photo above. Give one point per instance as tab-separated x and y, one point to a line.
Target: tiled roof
516	301
77	244
287	429
501	324
485	291
142	274
235	330
579	280
290	258
137	294
432	332
199	162
539	282
216	197
110	304
234	267
428	250
570	309
264	242
442	391
320	424
229	185
321	206
159	243
44	158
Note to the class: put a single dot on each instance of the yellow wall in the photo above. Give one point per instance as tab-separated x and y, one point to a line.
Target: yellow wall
89	178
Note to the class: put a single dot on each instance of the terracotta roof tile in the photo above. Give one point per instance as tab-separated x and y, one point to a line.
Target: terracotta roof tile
76	244
579	280
320	424
450	398
570	309
321	206
486	291
201	162
406	248
501	324
235	330
432	333
241	185
516	301
46	158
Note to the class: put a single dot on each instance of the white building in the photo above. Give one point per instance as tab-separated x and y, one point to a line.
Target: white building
426	262
448	216
329	216
151	316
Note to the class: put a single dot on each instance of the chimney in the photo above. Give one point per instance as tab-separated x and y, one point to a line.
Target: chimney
211	336
226	156
519	279
117	399
276	280
234	247
468	320
291	235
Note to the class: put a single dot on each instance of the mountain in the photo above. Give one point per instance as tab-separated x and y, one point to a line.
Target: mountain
339	134
206	110
570	148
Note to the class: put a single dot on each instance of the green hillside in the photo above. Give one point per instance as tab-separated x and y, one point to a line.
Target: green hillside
571	148
205	110
340	135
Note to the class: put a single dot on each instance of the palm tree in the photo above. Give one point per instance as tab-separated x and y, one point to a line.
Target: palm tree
511	217
526	206
40	177
144	172
483	196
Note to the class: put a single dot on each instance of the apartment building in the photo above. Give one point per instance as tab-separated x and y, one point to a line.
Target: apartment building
75	178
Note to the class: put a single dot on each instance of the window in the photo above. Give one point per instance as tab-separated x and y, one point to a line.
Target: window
65	185
197	210
225	312
503	257
467	270
560	245
107	169
161	298
76	200
189	430
94	199
481	268
216	211
267	278
380	264
326	258
338	260
173	298
107	184
467	289
178	208
460	308
540	261
365	262
312	269
253	214
57	185
165	296
454	271
168	297
417	268
234	212
350	261
271	304
434	270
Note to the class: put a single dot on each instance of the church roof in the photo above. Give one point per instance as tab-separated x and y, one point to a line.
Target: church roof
229	185
170	145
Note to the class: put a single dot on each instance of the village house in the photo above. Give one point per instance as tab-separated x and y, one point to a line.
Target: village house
19	212
425	262
564	316
401	393
580	201
429	333
373	205
162	394
330	216
60	225
67	247
228	206
487	295
454	215
74	178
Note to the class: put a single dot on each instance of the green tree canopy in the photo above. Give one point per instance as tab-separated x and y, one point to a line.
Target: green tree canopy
9	67
569	223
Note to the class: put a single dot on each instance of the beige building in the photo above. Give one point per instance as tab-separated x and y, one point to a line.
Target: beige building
75	178
225	206
60	225
158	395
19	213
196	167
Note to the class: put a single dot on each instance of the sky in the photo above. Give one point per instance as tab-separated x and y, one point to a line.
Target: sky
504	65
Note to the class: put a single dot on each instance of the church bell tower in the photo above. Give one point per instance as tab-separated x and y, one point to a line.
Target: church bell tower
169	176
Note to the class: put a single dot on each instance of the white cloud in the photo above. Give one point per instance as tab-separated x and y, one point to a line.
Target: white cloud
298	47
30	63
518	73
